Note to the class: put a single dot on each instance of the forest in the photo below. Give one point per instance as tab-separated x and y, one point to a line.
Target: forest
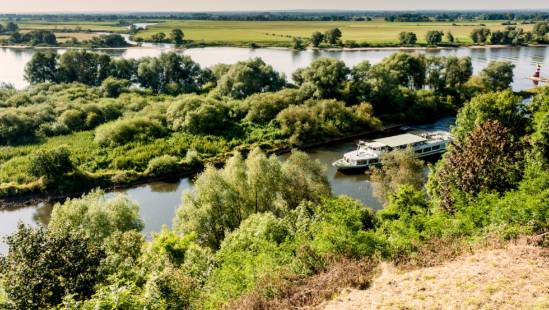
258	232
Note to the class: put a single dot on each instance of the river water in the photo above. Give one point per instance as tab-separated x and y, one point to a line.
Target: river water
159	200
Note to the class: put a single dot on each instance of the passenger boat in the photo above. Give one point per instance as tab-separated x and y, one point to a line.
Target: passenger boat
368	153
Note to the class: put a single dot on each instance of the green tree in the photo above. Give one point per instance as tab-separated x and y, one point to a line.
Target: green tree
113	87
41	267
486	160
505	107
540	30
223	198
249	77
398	168
480	35
177	36
158	37
297	44
41	68
96	217
333	36
325	78
407	38
197	115
450	37
317	38
12	27
434	37
51	164
171	73
498	75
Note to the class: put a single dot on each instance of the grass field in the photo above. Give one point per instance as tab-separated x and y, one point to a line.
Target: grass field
111	26
374	32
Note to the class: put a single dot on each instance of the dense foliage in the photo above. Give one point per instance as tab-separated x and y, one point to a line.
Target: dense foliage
259	225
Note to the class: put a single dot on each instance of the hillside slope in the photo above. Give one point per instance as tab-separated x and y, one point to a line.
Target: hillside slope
516	277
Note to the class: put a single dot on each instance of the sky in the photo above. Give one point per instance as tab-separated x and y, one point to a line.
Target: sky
39	6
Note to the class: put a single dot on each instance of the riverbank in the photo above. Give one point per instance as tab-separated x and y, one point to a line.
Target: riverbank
106	182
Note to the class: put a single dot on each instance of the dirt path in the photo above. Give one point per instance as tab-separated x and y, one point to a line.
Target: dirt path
513	278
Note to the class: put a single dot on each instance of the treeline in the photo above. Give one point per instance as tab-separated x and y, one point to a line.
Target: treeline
48	38
512	35
339	15
254	232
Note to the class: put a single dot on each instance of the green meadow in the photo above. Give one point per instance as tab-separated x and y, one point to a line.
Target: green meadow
376	32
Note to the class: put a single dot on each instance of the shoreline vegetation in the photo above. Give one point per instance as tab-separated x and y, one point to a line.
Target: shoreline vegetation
339	35
90	128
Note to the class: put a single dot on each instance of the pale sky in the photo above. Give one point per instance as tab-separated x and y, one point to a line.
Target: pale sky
37	6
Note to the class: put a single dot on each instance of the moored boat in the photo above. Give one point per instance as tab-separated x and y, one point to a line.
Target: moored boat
368	153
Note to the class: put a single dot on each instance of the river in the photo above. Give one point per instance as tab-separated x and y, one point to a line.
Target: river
159	200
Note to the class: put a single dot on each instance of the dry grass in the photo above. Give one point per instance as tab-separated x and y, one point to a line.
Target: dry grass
312	291
513	277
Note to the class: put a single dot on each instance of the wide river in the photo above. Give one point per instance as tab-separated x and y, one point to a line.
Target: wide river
159	200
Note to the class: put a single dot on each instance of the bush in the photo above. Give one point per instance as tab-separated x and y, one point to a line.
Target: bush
51	164
74	119
162	166
139	129
113	87
15	128
197	115
262	108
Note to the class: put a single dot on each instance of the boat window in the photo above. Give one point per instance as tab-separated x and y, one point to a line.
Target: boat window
427	149
362	162
419	151
374	161
436	147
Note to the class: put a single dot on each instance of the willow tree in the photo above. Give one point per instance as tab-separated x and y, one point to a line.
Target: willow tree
223	198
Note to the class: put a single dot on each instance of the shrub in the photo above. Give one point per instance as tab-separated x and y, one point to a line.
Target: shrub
162	166
113	87
51	164
198	115
140	129
74	119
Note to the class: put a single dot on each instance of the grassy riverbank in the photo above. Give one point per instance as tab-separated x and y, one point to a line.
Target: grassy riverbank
280	33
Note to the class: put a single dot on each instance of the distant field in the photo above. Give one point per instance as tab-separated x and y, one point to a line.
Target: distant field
83	25
375	32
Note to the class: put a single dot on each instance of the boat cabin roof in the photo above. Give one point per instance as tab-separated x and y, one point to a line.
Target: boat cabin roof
404	139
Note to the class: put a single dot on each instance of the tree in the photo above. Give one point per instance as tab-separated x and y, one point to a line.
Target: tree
51	164
171	73
408	69
249	77
297	44
498	75
398	168
407	38
434	37
324	78
41	68
480	35
158	37
197	115
450	37
317	38
42	267
486	160
505	107
223	198
177	36
12	27
96	217
540	30
113	87
333	36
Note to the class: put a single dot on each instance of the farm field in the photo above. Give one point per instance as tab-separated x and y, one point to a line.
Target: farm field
376	32
109	26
